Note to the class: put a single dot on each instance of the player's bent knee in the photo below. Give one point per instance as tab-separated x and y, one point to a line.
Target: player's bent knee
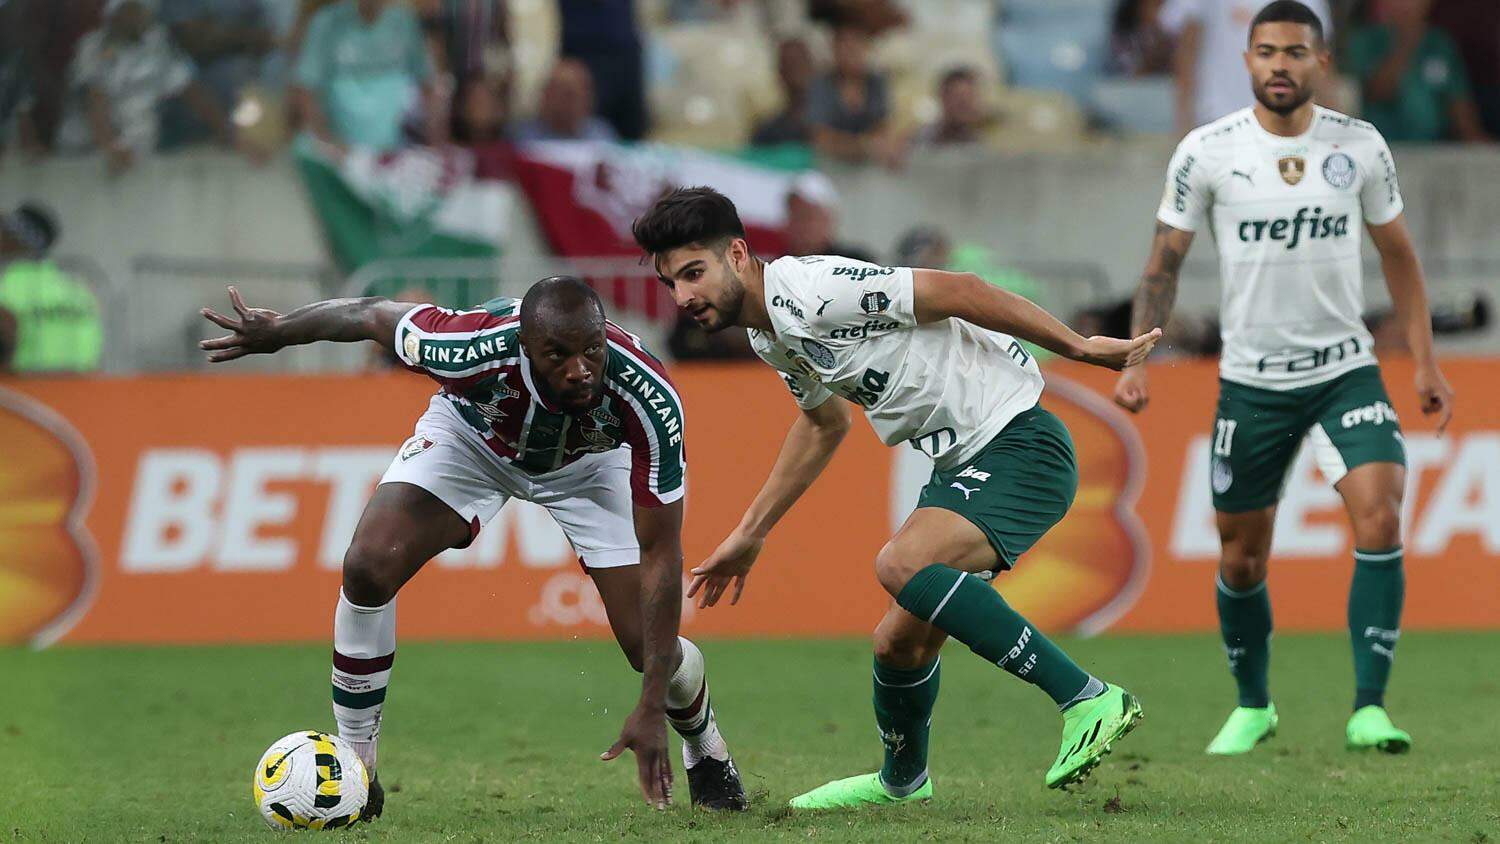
373	572
895	567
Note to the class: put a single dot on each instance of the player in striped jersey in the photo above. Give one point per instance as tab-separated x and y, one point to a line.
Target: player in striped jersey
540	399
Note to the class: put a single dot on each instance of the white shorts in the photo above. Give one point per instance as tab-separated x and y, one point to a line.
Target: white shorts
589	498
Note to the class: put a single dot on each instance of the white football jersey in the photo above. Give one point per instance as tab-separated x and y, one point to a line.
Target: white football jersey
1287	215
848	327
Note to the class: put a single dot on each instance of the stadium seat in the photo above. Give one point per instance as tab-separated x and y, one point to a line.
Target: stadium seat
1135	105
1054	51
707	97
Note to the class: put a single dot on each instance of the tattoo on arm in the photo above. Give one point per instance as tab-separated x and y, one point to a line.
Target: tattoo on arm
1158	290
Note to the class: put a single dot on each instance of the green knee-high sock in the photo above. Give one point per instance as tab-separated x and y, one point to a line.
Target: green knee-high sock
903	709
1245	624
1375	598
971	611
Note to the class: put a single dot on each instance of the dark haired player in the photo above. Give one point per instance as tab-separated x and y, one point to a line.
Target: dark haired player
537	399
1286	186
923	353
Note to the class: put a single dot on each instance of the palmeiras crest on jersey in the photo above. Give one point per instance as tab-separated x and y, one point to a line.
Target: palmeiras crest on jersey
1292	168
1338	169
821	355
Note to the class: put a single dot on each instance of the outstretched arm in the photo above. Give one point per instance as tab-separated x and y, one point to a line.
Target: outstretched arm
809	445
255	331
658	530
1403	277
941	295
1153	304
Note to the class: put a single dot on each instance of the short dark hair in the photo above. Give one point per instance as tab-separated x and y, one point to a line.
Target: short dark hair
1289	11
561	300
685	217
961	73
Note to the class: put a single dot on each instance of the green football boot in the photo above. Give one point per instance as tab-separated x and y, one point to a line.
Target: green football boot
1089	729
1247	726
863	790
1369	727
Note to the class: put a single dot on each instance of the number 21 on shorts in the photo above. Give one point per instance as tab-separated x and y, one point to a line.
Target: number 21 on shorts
1223	436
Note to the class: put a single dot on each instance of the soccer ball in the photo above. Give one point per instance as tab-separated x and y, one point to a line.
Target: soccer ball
310	780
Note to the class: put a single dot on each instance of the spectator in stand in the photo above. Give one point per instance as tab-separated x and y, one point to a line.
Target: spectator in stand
1475	28
566	109
363	72
602	34
473	37
812	220
481	112
228	40
1415	87
794	66
123	73
54	28
871	16
1209	62
1138	45
849	107
18	81
49	322
964	119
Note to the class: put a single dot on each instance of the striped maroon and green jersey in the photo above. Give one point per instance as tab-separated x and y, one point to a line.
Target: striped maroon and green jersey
475	356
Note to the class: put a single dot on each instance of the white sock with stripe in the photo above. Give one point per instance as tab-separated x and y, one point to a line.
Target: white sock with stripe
364	647
690	712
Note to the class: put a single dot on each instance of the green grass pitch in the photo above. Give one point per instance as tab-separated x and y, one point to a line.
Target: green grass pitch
499	742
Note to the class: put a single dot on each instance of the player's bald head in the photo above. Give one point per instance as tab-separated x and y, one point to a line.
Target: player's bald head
561	304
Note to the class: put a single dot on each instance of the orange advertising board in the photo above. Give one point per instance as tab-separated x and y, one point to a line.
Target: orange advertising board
217	508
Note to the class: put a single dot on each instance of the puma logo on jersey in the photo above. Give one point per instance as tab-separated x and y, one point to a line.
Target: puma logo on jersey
1375	414
1291	229
963	489
823	307
1249	177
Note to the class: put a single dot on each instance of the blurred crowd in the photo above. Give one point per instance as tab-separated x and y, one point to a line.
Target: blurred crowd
860	82
127	78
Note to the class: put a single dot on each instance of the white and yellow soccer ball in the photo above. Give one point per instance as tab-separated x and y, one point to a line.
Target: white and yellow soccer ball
310	780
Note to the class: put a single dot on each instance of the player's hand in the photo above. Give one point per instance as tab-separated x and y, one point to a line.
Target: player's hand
1117	354
1435	394
254	332
729	563
645	734
1130	390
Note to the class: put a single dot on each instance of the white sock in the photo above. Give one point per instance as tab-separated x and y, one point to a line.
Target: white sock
364	647
689	711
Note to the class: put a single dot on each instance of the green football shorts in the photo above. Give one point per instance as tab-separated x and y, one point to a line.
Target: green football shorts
1018	486
1348	421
